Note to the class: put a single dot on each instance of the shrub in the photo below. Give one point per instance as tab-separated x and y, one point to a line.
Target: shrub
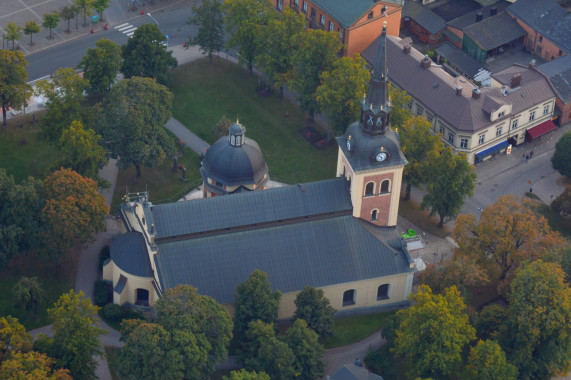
102	293
113	312
104	254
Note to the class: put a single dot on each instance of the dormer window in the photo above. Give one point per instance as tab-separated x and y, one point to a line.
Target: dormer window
501	114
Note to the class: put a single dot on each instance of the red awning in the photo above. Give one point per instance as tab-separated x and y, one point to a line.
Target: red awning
541	129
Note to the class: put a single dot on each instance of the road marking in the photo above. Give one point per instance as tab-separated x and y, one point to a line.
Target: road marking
122	25
126	29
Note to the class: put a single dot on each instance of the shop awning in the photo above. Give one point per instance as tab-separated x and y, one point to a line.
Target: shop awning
541	129
491	150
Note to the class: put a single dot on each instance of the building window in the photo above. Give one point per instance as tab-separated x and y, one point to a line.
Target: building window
322	20
532	116
280	4
441	130
370	189
296	2
419	111
540	38
385	186
313	13
514	124
546	110
341	34
304	6
501	114
464	143
539	50
349	297
498	131
331	26
410	105
383	292
481	139
370	15
429	117
451	138
142	297
374	215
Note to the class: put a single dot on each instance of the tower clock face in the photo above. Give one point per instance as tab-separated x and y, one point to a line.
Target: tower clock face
381	157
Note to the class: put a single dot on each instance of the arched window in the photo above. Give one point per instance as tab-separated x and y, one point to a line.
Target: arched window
349	297
370	188
374	215
142	297
385	186
383	292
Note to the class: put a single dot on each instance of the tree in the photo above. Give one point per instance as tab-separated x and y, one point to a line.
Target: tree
315	309
256	334
508	233
210	20
84	7
341	91
539	324
51	20
149	352
451	180
277	45
490	322
13	338
67	13
561	159
420	148
254	299
28	294
316	53
487	360
101	66
246	375
276	359
14	87
245	20
400	112
100	6
31	365
144	55
307	350
13	33
20	209
83	154
74	210
131	122
221	128
201	323
562	204
433	332
30	29
460	272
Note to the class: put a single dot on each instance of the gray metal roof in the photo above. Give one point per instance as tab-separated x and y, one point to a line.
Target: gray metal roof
468	19
346	12
424	17
353	372
495	31
547	18
246	209
129	253
316	253
436	89
459	58
559	73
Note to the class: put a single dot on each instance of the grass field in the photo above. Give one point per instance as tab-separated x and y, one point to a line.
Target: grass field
354	329
204	93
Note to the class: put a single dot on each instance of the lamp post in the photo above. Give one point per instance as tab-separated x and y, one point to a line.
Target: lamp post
153	19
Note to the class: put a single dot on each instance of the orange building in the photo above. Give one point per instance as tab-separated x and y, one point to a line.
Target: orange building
358	22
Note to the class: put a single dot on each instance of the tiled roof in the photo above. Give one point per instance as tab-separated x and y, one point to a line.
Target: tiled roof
348	12
559	73
129	253
495	31
316	252
424	17
547	18
468	19
246	209
459	58
436	89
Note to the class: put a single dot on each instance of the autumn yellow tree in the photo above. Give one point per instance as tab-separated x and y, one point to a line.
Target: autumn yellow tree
32	365
509	231
460	272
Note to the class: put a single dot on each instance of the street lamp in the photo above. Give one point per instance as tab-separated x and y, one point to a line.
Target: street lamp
153	19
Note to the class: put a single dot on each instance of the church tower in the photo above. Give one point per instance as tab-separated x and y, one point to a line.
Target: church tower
369	152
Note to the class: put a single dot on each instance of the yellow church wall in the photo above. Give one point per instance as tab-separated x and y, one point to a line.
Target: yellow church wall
111	272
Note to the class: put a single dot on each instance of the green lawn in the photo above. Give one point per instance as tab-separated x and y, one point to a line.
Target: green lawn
354	329
204	93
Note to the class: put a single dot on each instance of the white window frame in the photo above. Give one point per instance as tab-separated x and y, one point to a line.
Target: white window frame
322	20
499	131
304	8
546	109
532	116
331	26
514	124
463	143
481	139
451	137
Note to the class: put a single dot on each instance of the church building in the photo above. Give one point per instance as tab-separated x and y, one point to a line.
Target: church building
334	235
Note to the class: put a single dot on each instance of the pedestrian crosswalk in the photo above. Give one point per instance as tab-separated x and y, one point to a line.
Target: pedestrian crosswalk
126	29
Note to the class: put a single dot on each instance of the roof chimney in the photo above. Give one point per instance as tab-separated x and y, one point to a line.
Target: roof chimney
406	48
476	93
426	61
458	90
493	11
516	80
479	16
532	63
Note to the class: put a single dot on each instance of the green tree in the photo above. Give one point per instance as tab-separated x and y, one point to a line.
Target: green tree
149	352
491	322
74	210
30	29
210	20
199	322
246	375
487	360
51	20
561	159
145	56
14	87
451	179
76	336
315	309
132	121
83	153
433	332
341	91
400	113
101	65
420	148
245	20
276	359
316	53
277	45
13	33
84	7
28	294
67	13
31	365
254	299
256	334
13	338
221	128
307	350
539	325
100	6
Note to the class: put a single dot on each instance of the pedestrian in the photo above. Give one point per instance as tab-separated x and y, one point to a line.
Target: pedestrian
531	154
530	190
526	158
